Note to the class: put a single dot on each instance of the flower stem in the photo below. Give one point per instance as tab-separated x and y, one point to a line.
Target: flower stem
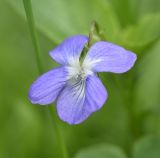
31	23
94	34
30	19
58	134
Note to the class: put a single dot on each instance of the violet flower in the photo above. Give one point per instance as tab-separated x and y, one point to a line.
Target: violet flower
75	85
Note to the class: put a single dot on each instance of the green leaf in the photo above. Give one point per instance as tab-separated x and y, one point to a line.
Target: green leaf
148	85
151	122
147	147
123	11
101	151
144	33
147	7
60	18
141	8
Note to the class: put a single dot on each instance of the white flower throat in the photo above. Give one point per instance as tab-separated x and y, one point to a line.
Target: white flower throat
77	74
77	71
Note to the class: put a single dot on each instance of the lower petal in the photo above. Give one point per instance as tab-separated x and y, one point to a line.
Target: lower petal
47	87
78	101
96	94
70	104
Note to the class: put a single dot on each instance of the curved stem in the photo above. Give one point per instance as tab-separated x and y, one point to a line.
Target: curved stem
94	34
31	23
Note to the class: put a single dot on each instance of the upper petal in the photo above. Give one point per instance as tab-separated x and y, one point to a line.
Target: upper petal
108	57
69	50
47	87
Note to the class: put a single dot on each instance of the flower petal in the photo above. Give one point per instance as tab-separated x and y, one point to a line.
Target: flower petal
96	94
69	50
78	101
70	103
108	57
47	87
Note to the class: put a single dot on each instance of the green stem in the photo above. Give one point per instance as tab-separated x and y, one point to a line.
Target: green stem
58	133
30	19
94	34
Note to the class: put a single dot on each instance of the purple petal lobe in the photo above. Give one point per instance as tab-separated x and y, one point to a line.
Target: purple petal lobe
79	100
70	103
108	57
96	94
47	87
69	50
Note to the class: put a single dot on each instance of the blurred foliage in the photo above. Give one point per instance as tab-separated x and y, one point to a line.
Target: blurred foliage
127	126
151	144
138	36
102	151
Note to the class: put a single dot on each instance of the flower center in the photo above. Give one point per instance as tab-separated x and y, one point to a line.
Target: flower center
78	72
81	75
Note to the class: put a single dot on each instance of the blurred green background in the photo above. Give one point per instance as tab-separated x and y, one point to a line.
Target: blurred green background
128	126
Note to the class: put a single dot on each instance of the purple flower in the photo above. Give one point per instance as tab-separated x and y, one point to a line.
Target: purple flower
75	85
